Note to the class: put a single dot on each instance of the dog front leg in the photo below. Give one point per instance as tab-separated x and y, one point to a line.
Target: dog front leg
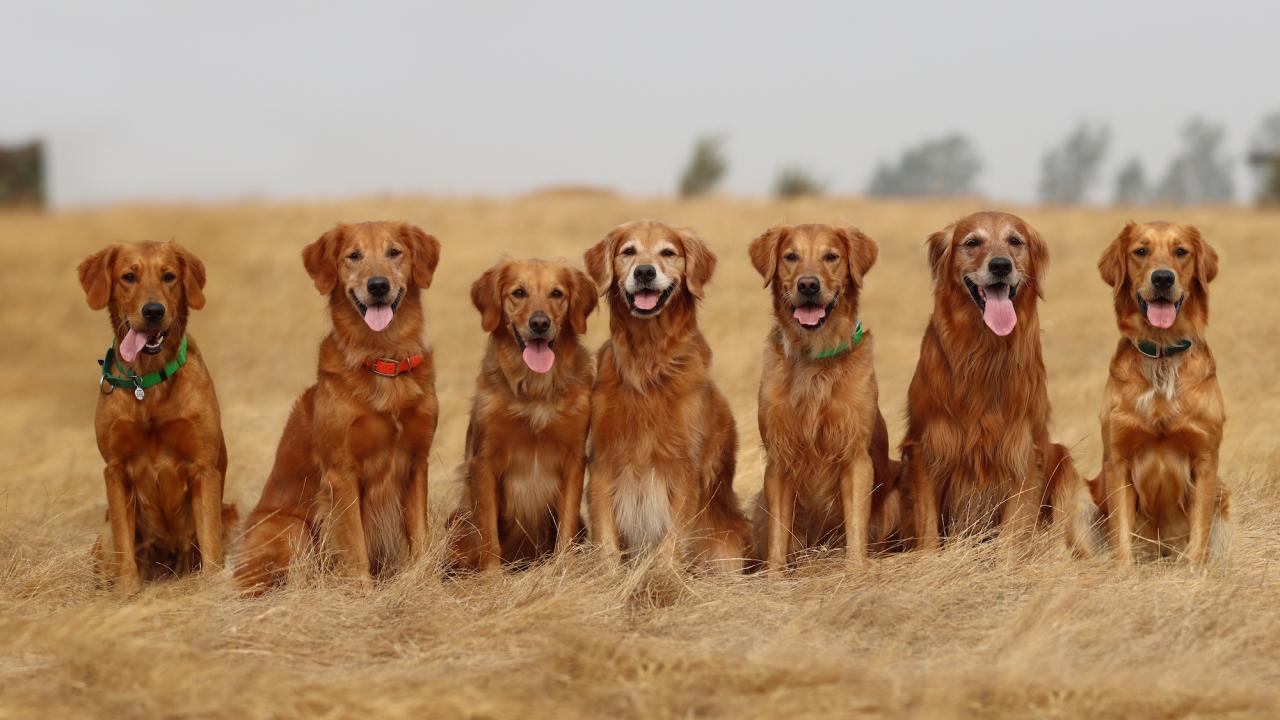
415	509
346	525
924	506
855	497
121	512
1203	506
1122	508
604	527
484	498
567	513
780	505
206	501
1019	513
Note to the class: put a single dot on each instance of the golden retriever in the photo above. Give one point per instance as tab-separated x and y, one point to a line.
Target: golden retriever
662	439
353	457
526	441
158	424
977	453
1162	410
828	479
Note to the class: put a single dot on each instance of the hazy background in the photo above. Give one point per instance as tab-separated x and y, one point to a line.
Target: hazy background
231	100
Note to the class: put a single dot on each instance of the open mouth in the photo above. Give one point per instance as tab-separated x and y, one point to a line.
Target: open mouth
378	315
996	303
148	342
647	301
539	354
812	316
1160	313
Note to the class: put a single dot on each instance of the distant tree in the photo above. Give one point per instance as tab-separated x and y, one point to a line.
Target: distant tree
706	168
1200	173
1069	170
1131	184
795	181
1265	157
943	166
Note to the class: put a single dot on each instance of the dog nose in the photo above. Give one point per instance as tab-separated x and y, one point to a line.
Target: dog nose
1163	279
645	273
540	323
809	286
1000	266
152	312
378	286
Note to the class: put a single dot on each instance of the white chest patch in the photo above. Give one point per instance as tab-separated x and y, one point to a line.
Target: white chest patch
642	509
1162	381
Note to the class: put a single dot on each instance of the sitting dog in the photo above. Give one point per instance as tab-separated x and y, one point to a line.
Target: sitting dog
828	478
158	425
663	442
353	457
526	442
1162	411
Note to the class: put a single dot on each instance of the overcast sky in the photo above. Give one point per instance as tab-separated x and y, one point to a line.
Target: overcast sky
225	100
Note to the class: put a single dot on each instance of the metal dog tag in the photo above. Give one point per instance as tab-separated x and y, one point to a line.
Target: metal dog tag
138	393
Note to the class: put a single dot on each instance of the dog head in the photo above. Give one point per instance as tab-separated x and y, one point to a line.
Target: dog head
370	267
149	288
537	302
811	268
1160	272
994	258
648	265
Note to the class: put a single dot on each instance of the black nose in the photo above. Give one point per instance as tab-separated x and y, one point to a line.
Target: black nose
539	324
809	286
1162	279
153	312
378	286
645	273
1000	266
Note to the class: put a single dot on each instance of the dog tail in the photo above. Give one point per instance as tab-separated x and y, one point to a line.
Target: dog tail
270	542
1072	502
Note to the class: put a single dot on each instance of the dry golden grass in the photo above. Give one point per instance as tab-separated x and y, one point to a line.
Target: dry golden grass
973	632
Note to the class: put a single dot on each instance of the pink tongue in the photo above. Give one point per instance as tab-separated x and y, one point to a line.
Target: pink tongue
999	314
378	317
645	300
810	314
131	345
539	356
1161	313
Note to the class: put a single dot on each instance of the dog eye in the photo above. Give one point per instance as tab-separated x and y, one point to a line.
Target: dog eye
1014	240
831	257
354	255
129	277
1181	252
791	257
974	241
667	252
518	293
1141	252
394	253
628	251
557	293
168	277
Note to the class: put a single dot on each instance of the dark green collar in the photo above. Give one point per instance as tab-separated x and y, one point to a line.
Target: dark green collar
134	382
846	347
1155	352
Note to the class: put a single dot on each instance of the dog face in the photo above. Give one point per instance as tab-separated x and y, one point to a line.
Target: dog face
811	267
1156	269
994	257
149	288
372	265
648	263
538	302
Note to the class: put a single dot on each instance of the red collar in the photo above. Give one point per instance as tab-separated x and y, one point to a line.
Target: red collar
387	367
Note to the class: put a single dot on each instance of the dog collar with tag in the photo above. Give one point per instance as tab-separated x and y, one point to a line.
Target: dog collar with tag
1155	352
388	367
843	348
131	380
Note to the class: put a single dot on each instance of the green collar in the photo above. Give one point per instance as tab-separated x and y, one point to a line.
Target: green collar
853	342
131	381
1155	352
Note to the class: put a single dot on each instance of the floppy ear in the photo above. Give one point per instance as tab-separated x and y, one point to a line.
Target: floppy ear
1039	251
599	262
939	247
321	259
1112	265
193	276
426	254
1206	258
764	252
699	261
582	299
861	251
95	277
485	295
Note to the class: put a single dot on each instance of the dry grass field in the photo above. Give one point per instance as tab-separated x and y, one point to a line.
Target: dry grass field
976	631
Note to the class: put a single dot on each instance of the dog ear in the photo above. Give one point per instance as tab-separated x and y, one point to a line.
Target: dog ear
582	299
486	295
425	250
96	277
599	261
699	261
1038	249
193	277
939	247
321	259
1206	258
861	252
1113	264
764	252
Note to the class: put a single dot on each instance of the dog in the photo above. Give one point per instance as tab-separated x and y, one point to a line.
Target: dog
157	422
977	453
662	437
828	479
526	441
352	461
1162	410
